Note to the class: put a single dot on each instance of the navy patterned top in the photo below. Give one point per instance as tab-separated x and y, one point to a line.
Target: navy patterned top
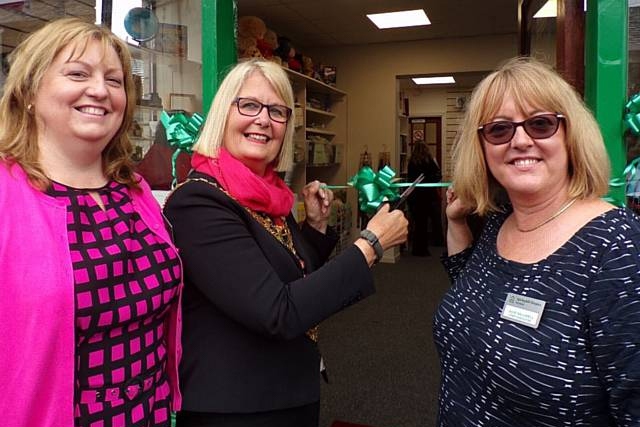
126	279
580	367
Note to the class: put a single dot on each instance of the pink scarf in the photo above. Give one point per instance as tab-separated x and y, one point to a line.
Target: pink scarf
268	194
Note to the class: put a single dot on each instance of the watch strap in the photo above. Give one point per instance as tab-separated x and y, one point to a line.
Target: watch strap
372	239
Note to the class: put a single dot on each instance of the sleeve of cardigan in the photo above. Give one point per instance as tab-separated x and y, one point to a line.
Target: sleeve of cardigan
613	310
224	261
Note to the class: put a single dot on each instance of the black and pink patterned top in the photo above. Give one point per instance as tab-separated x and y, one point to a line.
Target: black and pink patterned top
125	281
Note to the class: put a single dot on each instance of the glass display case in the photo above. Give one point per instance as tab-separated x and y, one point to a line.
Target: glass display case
164	37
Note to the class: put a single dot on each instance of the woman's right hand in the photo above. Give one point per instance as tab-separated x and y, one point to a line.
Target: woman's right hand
391	229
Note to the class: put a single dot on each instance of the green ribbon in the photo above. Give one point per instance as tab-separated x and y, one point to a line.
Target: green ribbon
631	119
630	179
182	133
377	188
632	182
630	176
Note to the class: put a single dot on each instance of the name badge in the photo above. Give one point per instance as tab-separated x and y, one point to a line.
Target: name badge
523	310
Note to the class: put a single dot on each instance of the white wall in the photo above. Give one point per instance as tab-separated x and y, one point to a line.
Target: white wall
427	102
368	74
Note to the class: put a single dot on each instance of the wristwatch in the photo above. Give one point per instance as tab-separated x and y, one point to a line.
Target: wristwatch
372	239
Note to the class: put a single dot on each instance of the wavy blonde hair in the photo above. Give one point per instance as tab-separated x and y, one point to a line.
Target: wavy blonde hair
212	135
531	84
28	64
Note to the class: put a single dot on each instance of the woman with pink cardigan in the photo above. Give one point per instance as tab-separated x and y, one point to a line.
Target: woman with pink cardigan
91	283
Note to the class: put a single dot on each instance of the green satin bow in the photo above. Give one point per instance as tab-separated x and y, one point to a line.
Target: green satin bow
632	114
632	172
629	178
182	133
374	188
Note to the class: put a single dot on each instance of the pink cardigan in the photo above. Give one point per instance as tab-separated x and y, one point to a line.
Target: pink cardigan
37	324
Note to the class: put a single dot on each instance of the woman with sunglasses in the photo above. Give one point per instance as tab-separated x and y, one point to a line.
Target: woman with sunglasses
255	284
540	327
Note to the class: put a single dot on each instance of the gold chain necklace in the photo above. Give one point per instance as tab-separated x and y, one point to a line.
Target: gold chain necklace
282	233
551	218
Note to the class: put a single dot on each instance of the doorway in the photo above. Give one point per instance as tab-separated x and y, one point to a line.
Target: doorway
429	131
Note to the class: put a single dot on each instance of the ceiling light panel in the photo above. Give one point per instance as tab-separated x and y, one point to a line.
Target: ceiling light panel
550	9
404	18
438	80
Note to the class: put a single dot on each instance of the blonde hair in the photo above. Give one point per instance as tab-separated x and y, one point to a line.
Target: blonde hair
28	64
531	84
212	135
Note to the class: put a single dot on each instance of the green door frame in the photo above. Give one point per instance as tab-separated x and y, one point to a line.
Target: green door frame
219	19
606	57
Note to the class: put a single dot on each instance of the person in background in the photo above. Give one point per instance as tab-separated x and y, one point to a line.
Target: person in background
540	326
89	301
256	285
425	204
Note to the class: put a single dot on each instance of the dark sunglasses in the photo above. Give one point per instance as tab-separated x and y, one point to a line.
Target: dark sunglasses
537	127
250	107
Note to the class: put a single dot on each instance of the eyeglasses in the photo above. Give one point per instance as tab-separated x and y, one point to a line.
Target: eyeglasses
250	107
537	127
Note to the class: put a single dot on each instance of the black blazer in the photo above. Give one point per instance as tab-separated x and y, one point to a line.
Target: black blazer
247	303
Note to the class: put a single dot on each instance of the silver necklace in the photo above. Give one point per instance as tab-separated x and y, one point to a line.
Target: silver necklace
551	218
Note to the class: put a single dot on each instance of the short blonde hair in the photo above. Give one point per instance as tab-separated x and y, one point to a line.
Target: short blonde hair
28	64
530	83
212	135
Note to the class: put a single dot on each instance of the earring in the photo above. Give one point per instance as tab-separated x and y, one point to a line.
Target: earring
29	107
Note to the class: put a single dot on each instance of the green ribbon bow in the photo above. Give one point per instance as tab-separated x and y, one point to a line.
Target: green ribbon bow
182	133
629	178
632	173
374	188
632	114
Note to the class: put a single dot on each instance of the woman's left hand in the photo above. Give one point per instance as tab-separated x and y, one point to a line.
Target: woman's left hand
317	205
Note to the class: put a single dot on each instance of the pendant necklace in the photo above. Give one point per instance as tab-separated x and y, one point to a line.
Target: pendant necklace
551	218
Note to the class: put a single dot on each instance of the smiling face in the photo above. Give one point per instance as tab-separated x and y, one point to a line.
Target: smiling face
255	141
524	166
81	101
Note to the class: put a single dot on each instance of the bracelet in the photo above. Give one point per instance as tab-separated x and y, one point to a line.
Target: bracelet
372	239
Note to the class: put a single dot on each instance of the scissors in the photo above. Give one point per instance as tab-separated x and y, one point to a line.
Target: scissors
405	194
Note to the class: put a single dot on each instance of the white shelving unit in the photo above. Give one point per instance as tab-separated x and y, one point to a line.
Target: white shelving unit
320	142
321	132
403	148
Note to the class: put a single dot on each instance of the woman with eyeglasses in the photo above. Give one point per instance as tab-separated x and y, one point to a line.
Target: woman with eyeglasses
255	283
541	325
